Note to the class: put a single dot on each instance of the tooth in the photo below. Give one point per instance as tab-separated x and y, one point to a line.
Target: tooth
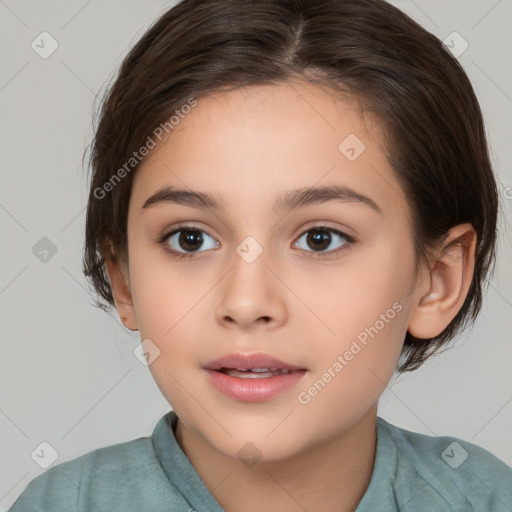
247	374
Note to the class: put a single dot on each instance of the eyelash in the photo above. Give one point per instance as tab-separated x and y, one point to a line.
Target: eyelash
163	241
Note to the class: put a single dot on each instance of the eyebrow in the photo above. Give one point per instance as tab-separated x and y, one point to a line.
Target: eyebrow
290	200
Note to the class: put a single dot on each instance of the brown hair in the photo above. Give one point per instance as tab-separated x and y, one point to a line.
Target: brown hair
366	49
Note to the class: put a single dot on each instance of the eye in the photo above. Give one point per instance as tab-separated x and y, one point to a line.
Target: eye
188	238
321	237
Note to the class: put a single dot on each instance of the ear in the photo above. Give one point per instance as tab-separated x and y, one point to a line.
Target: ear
120	283
442	293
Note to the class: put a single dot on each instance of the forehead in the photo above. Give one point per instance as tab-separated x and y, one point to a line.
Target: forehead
251	144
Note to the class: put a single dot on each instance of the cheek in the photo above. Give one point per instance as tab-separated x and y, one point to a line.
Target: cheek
165	294
367	286
365	305
169	313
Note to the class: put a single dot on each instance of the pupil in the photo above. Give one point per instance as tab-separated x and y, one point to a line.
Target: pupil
188	238
319	237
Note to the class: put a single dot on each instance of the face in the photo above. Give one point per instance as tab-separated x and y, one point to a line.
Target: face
324	286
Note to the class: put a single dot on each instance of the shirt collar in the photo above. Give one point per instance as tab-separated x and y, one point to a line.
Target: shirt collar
182	474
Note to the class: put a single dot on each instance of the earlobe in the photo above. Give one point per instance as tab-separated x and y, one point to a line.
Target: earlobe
444	291
119	281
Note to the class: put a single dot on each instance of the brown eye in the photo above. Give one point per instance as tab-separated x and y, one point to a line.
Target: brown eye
186	241
318	239
322	238
190	240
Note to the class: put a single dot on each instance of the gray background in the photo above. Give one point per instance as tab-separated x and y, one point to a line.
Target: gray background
68	375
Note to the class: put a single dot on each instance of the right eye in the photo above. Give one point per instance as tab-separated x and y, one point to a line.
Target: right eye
187	238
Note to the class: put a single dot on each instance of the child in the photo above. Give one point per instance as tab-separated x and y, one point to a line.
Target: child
257	130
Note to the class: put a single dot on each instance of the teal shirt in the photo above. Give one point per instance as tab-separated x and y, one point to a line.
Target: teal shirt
413	472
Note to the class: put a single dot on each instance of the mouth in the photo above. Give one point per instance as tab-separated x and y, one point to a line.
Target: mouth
255	373
253	377
257	365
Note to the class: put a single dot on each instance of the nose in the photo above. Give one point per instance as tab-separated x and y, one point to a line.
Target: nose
251	296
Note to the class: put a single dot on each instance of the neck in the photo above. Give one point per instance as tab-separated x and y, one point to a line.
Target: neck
329	476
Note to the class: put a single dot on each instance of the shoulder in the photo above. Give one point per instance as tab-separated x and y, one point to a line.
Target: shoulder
107	475
459	472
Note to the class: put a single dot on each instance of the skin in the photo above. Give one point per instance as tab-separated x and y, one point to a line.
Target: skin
248	146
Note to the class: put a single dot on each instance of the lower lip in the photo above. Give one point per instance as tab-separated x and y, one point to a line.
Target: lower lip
255	389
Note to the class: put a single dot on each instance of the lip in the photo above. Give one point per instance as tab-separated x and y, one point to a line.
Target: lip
252	389
249	361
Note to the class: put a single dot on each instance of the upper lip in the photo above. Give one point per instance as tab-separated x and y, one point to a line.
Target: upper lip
248	361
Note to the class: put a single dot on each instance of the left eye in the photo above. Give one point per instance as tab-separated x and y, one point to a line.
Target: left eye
320	238
191	239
